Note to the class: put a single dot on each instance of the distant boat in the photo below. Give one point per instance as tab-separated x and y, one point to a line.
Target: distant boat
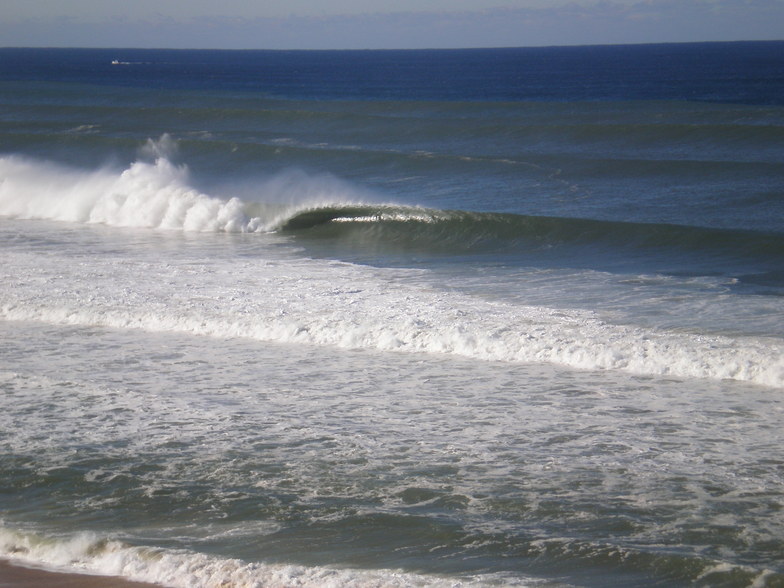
115	62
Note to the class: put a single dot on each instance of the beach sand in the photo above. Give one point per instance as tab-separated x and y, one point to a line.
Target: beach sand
15	576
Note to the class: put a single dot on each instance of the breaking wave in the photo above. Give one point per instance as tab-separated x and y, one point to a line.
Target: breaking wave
355	307
90	553
349	306
153	192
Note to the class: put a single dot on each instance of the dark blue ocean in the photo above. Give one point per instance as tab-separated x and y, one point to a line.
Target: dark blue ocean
482	317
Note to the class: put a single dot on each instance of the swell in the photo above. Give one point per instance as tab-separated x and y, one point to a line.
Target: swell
747	133
322	210
477	232
732	141
552	164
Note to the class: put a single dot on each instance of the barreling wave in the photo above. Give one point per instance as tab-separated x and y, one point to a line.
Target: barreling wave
752	258
156	193
491	232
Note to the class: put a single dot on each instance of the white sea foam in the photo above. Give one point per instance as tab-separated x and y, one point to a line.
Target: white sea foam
304	301
338	304
155	195
153	192
89	553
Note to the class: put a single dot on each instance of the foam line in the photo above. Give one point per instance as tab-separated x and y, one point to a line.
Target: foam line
343	305
88	552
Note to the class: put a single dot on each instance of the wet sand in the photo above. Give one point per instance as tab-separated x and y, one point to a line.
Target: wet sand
15	576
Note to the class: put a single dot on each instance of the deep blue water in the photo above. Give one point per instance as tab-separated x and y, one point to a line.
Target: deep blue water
742	72
476	317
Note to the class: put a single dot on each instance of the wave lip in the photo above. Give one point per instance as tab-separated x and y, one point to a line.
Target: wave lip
153	192
492	231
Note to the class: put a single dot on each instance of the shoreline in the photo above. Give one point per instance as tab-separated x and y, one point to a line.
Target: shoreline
14	575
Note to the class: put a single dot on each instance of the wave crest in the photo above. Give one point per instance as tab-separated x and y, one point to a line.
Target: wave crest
150	195
88	552
154	192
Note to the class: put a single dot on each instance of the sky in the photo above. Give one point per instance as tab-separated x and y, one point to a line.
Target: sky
381	24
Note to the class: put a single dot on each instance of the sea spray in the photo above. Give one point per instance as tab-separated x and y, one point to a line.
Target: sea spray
150	195
155	192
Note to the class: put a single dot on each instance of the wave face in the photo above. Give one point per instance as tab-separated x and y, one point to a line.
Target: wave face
477	318
472	232
159	194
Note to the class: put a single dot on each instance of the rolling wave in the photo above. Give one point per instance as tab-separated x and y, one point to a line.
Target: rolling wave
465	232
90	553
159	194
304	301
322	211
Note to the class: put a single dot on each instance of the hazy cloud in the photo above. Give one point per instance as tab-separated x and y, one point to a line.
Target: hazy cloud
574	23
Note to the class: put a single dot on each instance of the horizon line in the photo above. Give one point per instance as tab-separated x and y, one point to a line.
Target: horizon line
471	48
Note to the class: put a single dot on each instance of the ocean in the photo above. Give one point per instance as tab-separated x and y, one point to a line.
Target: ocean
455	318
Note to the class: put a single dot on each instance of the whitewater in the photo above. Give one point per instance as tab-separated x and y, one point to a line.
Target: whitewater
504	317
298	300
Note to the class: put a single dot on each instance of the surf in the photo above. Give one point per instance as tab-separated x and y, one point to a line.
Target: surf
146	194
154	192
299	300
106	556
